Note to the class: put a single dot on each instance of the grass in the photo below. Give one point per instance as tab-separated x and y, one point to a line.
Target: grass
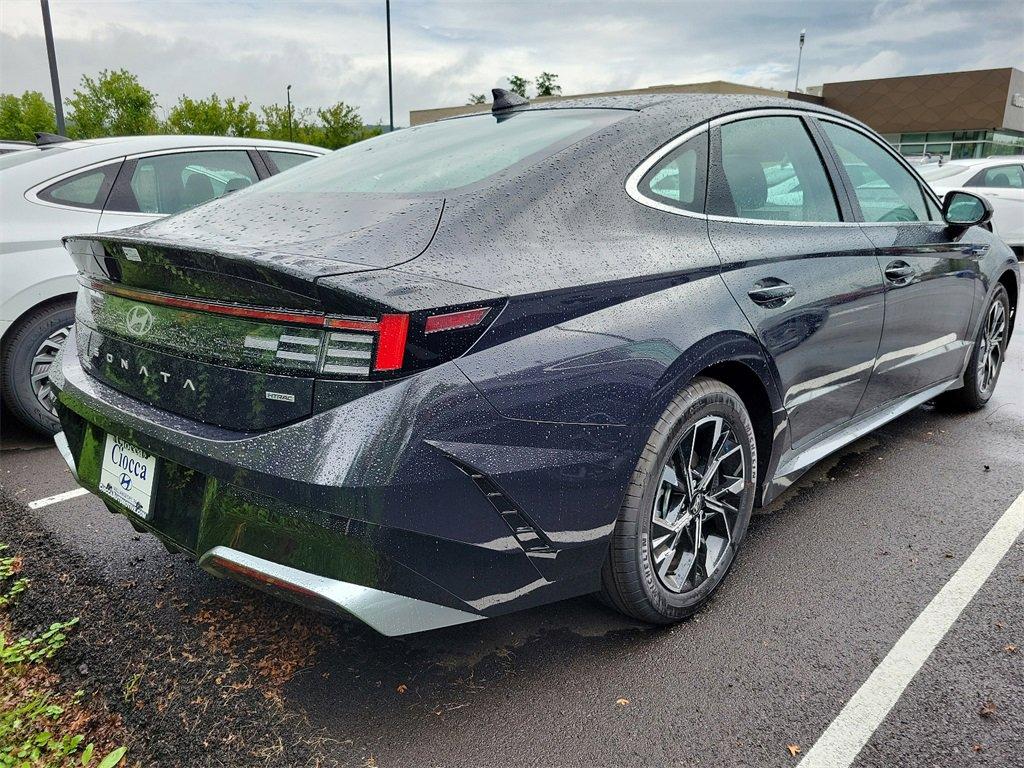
43	724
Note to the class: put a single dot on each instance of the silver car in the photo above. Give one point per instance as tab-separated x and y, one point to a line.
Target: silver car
75	187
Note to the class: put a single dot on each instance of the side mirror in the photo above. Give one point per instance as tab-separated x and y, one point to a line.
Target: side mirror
964	209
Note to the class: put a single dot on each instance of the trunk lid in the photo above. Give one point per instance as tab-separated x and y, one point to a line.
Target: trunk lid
186	314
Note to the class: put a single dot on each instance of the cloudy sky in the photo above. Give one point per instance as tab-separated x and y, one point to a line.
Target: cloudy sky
443	51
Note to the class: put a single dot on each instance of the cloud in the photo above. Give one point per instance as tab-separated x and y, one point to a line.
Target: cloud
443	51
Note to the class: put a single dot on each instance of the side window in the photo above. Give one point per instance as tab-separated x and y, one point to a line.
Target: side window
1001	176
88	189
771	170
679	178
286	160
166	184
885	189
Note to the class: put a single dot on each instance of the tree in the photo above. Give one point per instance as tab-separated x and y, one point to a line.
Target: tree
213	117
518	85
274	123
21	116
114	104
547	85
477	98
340	125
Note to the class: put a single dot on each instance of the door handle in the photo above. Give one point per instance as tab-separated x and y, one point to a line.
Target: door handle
899	272
771	292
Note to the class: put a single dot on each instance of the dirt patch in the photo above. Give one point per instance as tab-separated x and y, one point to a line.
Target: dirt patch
178	683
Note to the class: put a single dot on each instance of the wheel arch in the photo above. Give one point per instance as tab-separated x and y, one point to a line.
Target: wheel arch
17	321
1008	279
739	361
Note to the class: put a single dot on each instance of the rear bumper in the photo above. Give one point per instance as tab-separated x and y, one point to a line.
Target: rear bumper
386	612
383	508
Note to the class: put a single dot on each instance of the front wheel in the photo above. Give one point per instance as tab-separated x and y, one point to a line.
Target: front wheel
986	358
687	507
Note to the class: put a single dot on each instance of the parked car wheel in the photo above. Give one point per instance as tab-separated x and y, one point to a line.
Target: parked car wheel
687	507
29	349
986	359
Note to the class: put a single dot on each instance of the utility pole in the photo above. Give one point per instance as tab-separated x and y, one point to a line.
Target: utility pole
288	91
58	105
799	56
391	98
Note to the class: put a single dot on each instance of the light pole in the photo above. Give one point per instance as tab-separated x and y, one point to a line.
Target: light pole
58	106
288	91
799	56
391	99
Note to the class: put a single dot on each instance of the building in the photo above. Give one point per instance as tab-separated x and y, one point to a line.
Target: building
955	114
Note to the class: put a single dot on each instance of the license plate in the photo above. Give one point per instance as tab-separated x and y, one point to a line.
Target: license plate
127	474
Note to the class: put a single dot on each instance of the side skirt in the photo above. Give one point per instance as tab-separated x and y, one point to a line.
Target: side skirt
794	463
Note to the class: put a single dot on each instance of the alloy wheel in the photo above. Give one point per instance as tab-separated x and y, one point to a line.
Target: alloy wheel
697	505
992	340
40	370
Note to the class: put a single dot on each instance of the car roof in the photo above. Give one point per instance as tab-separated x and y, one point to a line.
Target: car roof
682	108
972	163
132	144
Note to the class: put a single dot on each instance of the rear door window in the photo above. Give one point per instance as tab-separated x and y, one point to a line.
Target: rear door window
885	190
999	177
171	183
771	170
88	189
285	160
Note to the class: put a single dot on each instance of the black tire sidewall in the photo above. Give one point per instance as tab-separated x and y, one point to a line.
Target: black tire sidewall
704	398
19	347
971	379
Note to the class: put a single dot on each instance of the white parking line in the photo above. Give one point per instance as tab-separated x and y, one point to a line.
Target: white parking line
56	499
839	745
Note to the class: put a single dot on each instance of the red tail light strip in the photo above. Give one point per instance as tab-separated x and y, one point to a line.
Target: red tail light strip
348	324
273	315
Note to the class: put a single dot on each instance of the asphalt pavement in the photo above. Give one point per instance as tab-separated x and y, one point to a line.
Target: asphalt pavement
829	579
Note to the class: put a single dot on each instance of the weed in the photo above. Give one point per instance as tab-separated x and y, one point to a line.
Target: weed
39	723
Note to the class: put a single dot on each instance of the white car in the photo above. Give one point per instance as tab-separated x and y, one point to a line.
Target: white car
74	187
999	179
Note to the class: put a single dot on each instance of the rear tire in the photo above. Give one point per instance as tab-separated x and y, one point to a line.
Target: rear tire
27	350
987	357
686	509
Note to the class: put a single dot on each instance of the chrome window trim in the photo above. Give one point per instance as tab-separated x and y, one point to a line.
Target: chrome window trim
32	193
634	179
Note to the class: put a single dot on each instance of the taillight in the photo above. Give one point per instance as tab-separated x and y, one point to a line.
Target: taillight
450	321
331	346
394	329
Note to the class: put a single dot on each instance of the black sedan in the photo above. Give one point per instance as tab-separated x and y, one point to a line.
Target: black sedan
512	357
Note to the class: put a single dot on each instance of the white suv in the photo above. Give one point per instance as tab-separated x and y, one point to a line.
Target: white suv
999	179
75	187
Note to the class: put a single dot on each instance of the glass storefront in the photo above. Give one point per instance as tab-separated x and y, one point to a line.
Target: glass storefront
955	145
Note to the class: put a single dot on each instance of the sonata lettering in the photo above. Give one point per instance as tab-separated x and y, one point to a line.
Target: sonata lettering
143	370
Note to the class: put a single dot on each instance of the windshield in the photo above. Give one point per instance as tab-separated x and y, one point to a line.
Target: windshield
441	156
935	172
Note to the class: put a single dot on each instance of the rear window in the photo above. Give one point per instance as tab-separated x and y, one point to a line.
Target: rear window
442	156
